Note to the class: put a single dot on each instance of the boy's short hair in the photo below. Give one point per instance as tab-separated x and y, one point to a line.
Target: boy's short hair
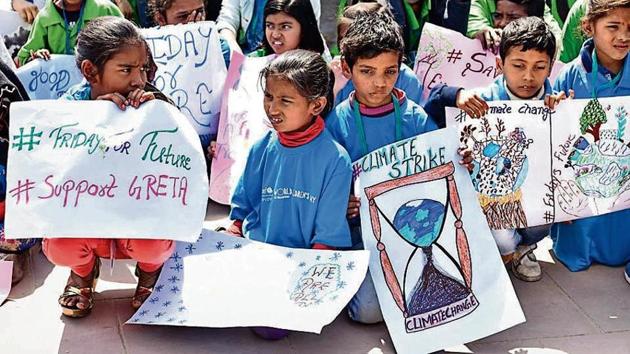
530	33
371	35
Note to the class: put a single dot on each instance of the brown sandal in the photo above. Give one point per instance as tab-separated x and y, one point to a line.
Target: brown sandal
73	289
146	282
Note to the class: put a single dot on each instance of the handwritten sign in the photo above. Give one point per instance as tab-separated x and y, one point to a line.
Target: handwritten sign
14	31
49	79
243	121
88	169
191	70
535	166
446	56
437	273
227	281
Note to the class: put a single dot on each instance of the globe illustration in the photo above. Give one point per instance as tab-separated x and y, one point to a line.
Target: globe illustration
420	221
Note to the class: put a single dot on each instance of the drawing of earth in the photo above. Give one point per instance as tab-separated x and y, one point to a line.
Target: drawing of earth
420	221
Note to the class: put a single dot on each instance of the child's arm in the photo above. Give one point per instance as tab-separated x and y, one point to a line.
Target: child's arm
25	9
471	103
331	226
36	45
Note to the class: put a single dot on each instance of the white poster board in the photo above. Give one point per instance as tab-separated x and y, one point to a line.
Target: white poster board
49	79
191	71
88	169
252	284
436	269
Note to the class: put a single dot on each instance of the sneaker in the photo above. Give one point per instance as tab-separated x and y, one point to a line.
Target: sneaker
19	264
524	264
627	273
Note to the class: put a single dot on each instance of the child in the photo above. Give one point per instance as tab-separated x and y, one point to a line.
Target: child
173	12
290	24
112	55
17	251
242	23
57	25
375	114
407	79
488	17
601	70
527	52
296	177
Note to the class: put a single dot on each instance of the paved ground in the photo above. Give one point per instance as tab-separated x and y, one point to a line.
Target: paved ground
586	312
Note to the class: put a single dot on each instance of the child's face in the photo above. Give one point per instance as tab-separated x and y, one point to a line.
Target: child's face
525	72
282	32
124	72
507	12
374	78
611	35
182	11
287	109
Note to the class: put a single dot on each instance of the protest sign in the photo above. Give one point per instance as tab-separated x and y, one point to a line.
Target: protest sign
243	121
437	287
49	79
14	31
88	169
191	70
536	166
226	281
446	56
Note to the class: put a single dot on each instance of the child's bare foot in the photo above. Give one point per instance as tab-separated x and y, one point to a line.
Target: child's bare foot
77	299
146	282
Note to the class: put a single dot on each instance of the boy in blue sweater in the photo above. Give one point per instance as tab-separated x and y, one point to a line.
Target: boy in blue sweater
374	115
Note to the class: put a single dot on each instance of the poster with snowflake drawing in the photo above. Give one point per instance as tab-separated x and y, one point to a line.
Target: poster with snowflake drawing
512	166
436	269
591	157
226	281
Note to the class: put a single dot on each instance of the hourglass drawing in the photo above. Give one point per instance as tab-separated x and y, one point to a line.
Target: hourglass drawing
437	297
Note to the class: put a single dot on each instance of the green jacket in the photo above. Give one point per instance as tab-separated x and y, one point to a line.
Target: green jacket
556	12
572	36
48	31
480	18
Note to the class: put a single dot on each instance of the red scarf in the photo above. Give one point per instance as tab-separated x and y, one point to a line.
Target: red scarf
295	139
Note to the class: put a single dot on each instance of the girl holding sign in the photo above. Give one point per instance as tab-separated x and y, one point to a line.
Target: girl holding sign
113	57
296	177
601	70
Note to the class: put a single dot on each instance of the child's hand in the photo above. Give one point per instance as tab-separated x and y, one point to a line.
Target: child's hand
490	39
211	150
125	8
471	103
115	97
353	207
551	101
195	16
139	96
235	229
467	158
25	9
40	54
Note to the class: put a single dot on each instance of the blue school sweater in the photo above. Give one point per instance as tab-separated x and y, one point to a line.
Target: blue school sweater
602	239
379	123
497	91
407	81
295	197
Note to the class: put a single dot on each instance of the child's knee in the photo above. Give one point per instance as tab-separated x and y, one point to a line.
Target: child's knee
65	252
364	306
149	251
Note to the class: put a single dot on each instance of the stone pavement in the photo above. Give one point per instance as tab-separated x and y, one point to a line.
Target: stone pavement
585	312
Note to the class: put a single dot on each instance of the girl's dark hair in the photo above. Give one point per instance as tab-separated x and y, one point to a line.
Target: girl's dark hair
105	36
370	35
597	9
307	71
530	33
302	12
159	7
533	7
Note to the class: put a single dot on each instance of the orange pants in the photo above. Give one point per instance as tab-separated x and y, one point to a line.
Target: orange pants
80	253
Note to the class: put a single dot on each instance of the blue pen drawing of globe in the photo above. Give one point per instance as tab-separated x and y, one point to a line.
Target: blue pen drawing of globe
420	221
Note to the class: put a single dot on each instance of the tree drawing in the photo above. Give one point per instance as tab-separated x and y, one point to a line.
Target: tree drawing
622	117
592	118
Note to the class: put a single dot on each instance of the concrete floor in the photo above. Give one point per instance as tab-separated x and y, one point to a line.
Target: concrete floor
585	312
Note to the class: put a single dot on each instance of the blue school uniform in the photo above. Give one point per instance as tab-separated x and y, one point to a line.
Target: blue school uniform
379	125
603	239
295	196
407	81
497	91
